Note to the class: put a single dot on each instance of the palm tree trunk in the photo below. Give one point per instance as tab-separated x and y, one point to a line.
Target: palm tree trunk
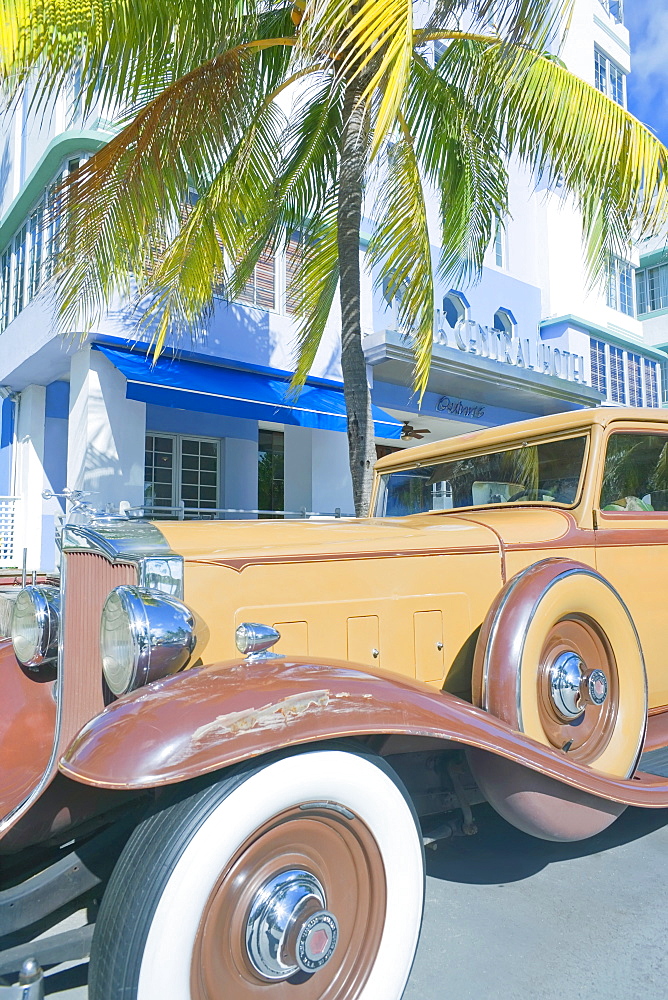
353	153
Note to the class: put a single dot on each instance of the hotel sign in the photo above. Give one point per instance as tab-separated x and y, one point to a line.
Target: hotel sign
460	409
507	348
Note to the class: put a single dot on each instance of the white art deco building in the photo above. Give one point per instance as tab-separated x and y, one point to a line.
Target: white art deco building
208	430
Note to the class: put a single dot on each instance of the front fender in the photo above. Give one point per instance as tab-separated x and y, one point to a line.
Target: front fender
211	717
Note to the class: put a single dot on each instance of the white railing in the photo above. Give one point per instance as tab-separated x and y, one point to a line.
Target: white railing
615	8
8	507
181	513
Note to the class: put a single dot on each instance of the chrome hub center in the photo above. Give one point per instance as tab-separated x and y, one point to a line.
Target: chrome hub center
572	688
288	928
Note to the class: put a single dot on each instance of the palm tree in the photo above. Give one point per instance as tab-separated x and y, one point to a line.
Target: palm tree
283	117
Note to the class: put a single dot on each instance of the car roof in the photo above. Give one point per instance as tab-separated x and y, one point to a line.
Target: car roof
491	437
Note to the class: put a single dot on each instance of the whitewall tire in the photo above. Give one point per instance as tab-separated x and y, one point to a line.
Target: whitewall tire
302	877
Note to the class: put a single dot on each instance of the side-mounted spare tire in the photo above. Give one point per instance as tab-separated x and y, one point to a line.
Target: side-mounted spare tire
559	659
298	877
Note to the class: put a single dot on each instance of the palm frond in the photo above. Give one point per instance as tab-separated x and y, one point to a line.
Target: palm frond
116	46
401	250
131	192
561	126
201	258
314	285
372	41
462	156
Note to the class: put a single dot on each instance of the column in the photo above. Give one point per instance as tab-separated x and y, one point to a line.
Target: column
29	478
106	434
239	457
298	468
332	483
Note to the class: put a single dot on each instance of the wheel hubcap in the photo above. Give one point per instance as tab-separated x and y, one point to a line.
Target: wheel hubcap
572	688
289	928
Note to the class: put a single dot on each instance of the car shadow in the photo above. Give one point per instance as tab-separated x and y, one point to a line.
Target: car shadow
499	853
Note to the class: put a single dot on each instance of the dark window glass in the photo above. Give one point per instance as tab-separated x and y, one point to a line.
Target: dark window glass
636	473
543	473
270	479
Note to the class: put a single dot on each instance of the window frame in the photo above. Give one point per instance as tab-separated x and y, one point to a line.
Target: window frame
379	493
608	66
625	515
177	470
618	270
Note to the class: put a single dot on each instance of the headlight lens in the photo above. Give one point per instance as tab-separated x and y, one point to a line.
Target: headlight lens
35	625
143	636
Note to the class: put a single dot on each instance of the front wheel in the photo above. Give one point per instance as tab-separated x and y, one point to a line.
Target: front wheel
300	878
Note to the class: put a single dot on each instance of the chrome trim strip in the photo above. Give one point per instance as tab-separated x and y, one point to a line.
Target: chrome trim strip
120	539
130	540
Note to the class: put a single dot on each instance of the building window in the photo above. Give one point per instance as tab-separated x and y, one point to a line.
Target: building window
35	266
159	472
270	473
608	77
292	261
260	290
29	259
5	287
181	474
617	394
650	370
499	254
634	379
652	288
615	8
598	367
620	286
18	295
440	48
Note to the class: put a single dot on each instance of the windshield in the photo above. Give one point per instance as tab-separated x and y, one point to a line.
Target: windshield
536	473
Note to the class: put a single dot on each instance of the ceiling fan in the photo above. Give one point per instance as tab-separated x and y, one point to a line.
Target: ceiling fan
408	432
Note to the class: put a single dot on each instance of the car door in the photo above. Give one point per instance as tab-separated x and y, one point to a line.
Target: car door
632	538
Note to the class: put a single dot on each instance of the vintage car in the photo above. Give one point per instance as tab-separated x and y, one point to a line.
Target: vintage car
237	737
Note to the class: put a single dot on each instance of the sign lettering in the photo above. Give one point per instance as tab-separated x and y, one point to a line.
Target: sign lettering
509	348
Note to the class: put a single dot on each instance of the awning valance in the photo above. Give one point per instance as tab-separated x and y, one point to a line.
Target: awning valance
235	392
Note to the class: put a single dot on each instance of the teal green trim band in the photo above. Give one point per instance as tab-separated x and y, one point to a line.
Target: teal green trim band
606	334
79	141
654	258
612	34
653	313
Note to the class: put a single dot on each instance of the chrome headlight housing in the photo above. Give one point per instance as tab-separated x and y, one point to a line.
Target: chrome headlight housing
144	635
36	625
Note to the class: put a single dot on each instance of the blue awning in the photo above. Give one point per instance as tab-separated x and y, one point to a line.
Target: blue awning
234	392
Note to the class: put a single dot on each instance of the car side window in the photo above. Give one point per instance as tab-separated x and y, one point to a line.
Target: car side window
635	476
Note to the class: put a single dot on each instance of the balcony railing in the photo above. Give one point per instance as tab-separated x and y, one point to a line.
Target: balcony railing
183	513
615	9
8	507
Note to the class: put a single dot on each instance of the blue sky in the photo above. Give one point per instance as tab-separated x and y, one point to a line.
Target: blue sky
647	20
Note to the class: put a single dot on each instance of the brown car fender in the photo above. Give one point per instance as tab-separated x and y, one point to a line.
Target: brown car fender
211	717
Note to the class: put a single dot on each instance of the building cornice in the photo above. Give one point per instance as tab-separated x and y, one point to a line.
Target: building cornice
613	337
388	345
612	34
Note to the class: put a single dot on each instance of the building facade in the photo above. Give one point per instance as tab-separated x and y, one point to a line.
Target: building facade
209	430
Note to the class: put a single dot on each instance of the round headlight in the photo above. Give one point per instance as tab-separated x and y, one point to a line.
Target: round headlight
35	625
143	636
